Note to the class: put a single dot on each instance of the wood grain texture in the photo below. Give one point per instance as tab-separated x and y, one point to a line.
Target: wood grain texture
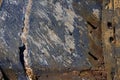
117	37
108	38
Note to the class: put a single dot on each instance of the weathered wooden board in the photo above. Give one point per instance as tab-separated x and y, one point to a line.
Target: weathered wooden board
117	37
59	39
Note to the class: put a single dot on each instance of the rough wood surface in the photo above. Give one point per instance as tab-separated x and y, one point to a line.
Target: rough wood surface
108	37
116	21
60	39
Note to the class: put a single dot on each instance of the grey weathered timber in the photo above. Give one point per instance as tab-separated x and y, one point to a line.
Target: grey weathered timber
11	23
52	39
58	37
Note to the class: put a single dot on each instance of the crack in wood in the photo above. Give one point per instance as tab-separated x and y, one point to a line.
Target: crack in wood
93	27
94	57
24	37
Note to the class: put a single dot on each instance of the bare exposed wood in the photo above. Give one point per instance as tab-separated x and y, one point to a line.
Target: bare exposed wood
108	38
116	21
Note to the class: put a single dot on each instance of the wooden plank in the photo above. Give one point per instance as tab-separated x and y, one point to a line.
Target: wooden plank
108	38
117	37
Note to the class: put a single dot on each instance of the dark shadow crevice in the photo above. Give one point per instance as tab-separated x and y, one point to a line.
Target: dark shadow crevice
109	24
111	39
94	57
93	27
21	55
